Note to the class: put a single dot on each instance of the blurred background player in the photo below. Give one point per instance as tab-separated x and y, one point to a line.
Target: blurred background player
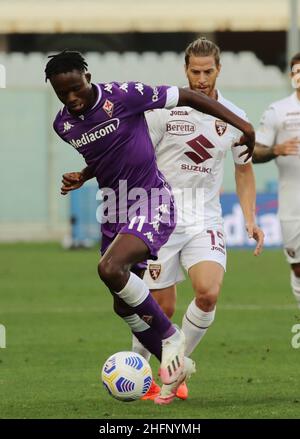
105	121
190	149
278	137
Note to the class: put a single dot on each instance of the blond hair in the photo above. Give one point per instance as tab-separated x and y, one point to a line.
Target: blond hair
202	47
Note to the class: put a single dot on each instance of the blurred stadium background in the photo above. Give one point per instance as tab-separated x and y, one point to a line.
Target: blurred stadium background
51	301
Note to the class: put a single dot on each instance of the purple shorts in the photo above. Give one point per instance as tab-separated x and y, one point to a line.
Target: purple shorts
154	229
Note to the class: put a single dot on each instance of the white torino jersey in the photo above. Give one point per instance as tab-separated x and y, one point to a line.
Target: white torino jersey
280	122
190	148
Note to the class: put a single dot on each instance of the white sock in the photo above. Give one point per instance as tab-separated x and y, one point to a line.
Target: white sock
139	348
295	283
135	291
195	323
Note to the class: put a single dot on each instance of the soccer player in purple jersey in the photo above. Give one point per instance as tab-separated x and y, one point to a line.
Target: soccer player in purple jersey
105	123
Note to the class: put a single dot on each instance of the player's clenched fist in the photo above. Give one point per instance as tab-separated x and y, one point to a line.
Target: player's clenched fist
71	181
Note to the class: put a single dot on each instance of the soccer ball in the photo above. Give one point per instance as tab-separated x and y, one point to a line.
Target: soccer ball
126	376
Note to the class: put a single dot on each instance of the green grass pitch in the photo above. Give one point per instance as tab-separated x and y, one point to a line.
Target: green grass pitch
60	329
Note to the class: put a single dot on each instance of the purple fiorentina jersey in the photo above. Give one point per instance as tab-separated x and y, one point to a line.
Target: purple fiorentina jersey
113	135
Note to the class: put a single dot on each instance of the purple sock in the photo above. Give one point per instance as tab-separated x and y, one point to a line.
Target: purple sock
153	315
151	340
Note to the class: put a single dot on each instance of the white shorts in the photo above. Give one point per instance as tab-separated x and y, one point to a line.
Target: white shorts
185	249
291	240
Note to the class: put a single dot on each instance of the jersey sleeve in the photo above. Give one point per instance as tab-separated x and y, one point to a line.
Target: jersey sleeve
55	127
138	97
267	130
60	135
156	121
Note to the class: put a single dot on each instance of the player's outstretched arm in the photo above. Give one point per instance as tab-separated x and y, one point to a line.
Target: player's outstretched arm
263	153
74	180
245	188
203	103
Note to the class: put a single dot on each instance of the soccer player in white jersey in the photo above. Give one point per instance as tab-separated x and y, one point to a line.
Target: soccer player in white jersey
278	137
190	149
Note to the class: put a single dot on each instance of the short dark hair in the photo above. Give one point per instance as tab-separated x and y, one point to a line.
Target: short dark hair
294	60
63	62
202	47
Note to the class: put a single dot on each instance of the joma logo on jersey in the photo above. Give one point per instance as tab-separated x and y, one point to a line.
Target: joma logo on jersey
180	127
96	133
178	113
200	145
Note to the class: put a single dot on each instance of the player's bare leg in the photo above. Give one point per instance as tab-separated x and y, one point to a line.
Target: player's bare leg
147	321
207	278
295	281
166	298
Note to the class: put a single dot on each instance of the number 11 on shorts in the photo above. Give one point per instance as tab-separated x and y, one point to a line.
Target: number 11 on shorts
140	220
